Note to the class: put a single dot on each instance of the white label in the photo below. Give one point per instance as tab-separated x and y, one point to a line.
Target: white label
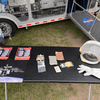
57	69
0	72
8	71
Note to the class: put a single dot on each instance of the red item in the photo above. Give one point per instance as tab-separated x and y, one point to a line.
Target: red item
22	57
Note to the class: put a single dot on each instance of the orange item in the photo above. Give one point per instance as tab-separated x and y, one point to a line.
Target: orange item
40	58
59	55
23	57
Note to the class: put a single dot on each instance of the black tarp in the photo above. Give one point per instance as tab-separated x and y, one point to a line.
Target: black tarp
83	3
67	75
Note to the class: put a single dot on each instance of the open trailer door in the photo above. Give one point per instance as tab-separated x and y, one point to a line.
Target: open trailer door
86	21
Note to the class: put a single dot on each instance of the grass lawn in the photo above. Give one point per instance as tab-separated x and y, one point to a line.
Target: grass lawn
46	35
63	33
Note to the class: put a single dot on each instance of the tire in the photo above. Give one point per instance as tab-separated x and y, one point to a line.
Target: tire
7	27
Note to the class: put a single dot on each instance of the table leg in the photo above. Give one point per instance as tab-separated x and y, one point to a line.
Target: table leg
5	91
89	91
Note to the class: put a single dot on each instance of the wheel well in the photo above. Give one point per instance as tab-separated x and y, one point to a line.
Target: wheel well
9	20
11	27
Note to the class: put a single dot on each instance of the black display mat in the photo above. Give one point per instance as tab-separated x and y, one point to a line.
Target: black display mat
14	63
68	75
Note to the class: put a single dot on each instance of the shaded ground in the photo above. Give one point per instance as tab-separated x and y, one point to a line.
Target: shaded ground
63	33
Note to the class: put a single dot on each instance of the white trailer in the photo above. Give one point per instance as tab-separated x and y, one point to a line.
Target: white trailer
24	13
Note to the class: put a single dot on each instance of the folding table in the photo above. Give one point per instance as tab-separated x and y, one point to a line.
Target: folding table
67	75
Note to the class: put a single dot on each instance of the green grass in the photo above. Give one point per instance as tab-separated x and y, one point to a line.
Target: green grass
46	35
53	34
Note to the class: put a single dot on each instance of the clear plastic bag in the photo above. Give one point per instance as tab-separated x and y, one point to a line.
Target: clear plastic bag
66	64
41	63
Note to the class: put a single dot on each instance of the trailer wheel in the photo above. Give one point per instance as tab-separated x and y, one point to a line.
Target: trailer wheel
7	27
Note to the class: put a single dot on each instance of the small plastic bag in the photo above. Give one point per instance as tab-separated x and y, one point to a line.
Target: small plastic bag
52	60
40	62
66	64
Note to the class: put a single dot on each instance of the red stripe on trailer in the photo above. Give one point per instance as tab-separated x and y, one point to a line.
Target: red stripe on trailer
44	21
20	26
66	17
37	23
59	18
52	20
29	24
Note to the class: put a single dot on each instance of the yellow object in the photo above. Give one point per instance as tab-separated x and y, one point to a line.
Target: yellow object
56	68
80	49
40	58
83	60
68	64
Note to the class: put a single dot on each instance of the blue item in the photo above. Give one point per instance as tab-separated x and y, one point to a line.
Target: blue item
88	21
1	34
70	2
1	48
4	2
11	80
84	3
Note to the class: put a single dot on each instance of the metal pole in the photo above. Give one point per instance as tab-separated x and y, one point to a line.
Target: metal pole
80	6
74	2
89	91
88	4
94	21
5	91
72	6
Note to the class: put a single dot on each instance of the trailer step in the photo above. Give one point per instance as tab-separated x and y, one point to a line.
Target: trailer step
88	23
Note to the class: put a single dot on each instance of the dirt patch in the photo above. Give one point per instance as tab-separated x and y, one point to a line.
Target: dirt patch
82	92
74	42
